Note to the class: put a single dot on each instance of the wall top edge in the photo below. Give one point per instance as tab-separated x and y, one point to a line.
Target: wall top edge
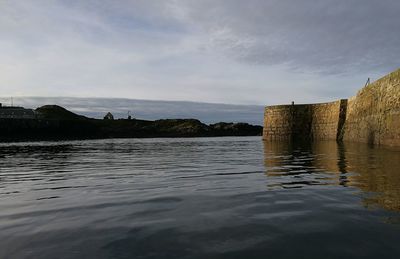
303	104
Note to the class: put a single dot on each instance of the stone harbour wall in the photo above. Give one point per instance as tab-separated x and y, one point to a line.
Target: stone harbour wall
328	120
305	121
278	123
372	116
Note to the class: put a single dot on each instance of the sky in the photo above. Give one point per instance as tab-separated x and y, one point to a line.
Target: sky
254	52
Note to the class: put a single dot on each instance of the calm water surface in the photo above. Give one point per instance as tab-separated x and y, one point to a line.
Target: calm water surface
198	198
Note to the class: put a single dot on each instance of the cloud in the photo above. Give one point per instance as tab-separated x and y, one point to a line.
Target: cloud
247	52
327	36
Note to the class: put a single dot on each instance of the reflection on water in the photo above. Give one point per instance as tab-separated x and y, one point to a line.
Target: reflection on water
198	198
375	171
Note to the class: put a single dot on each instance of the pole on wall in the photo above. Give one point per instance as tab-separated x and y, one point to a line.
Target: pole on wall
368	81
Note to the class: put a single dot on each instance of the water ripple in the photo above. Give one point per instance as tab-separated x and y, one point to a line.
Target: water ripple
198	198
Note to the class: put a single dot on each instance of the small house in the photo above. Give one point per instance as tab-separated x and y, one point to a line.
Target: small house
109	116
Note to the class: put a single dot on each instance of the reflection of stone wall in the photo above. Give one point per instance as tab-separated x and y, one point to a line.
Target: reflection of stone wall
275	153
373	171
310	121
374	113
329	156
373	116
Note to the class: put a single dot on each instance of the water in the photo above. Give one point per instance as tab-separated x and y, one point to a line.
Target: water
198	198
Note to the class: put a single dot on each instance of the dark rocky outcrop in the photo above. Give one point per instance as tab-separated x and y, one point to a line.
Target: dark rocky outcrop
235	129
55	112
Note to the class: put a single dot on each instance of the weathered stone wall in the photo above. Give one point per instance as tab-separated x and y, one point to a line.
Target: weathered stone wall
306	121
373	115
328	120
278	122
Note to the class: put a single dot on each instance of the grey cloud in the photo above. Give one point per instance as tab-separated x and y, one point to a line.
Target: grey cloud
330	36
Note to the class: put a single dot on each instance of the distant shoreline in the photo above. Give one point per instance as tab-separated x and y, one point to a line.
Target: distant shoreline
56	123
149	109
